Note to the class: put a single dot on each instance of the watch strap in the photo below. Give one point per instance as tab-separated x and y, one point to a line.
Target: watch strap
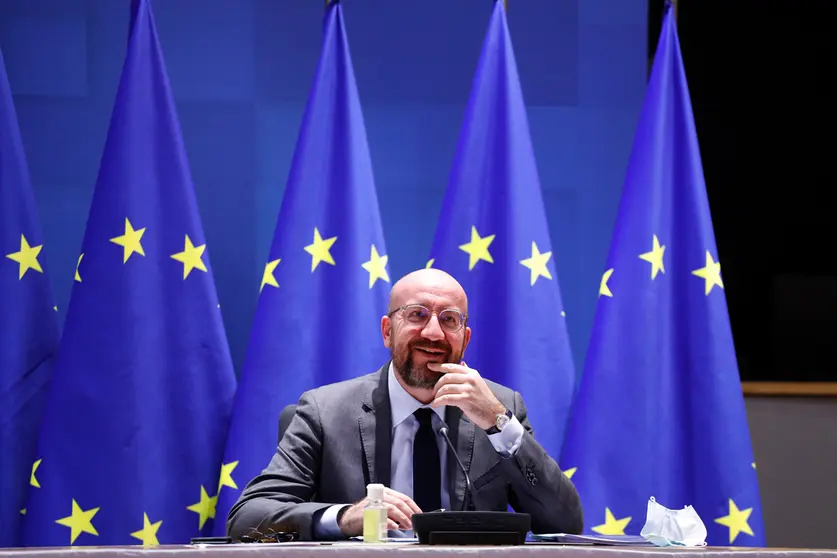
493	428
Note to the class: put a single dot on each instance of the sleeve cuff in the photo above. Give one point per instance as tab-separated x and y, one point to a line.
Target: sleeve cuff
508	440
325	523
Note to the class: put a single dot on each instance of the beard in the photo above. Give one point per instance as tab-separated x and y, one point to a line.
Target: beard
419	375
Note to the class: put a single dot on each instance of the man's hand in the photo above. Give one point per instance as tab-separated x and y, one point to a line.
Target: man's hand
463	387
400	510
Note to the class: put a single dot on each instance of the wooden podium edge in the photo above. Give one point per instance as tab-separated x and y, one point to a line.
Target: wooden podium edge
792	389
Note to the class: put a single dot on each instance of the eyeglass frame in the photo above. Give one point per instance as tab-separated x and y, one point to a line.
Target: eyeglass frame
463	315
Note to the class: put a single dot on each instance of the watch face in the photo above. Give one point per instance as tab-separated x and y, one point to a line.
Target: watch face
502	420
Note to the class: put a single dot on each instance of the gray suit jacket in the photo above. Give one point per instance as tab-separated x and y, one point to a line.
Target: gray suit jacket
340	441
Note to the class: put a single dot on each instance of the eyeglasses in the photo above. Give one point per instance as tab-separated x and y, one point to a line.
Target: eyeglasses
450	320
272	537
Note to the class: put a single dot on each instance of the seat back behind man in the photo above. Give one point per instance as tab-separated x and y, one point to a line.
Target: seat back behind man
285	418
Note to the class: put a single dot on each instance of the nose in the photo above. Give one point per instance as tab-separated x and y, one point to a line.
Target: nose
432	330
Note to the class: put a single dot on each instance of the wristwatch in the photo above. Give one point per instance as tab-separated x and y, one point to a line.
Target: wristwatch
500	423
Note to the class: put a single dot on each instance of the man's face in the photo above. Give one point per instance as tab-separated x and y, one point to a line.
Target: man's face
427	326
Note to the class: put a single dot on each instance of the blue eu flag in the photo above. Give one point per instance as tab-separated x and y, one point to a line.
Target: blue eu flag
660	410
493	237
29	330
325	285
134	428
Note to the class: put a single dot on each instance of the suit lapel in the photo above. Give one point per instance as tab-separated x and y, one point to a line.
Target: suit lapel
461	433
375	426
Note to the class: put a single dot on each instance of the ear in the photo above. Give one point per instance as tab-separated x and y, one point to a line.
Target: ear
466	340
386	331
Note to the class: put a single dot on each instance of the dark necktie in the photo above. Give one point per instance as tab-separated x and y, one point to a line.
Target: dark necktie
427	472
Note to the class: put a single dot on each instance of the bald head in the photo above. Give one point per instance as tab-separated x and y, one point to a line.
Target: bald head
428	282
416	337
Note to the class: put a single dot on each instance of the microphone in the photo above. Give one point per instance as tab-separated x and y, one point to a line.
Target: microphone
469	527
468	496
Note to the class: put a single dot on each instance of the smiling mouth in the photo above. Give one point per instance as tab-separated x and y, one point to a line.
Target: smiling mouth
429	351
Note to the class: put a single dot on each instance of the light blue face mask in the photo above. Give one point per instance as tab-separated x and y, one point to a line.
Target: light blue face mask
665	527
661	541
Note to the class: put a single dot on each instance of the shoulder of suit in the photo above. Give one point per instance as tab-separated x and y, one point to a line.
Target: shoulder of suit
500	390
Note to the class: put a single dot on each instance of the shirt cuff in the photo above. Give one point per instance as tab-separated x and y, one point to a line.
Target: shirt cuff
509	438
325	525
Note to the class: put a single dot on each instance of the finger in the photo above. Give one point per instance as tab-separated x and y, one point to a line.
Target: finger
402	507
410	503
392	525
448	376
398	516
404	503
452	380
404	498
456	400
454	389
397	499
448	367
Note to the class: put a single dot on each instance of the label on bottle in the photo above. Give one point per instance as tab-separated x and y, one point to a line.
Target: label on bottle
375	525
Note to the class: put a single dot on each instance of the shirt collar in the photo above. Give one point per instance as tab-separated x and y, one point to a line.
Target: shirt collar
402	404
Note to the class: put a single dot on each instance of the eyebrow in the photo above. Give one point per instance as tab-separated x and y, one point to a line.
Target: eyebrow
437	306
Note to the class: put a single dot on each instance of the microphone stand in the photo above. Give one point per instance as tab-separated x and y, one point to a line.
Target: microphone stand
469	527
466	498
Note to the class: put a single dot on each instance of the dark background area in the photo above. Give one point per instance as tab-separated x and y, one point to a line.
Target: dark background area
761	81
759	75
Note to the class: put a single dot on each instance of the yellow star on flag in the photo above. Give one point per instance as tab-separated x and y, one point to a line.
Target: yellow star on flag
710	273
477	249
79	521
190	257
319	250
130	241
27	257
205	508
226	475
377	267
429	263
736	521
78	263
570	472
604	290
612	526
148	533
32	480
537	264
655	257
267	276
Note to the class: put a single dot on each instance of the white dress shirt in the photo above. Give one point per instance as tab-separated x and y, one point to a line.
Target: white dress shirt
404	428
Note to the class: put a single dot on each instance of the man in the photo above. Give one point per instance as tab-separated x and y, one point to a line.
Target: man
383	427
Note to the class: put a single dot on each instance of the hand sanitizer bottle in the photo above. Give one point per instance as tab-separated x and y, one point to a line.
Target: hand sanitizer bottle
375	515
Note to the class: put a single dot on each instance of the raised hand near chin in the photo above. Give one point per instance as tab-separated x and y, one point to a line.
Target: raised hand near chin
463	387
